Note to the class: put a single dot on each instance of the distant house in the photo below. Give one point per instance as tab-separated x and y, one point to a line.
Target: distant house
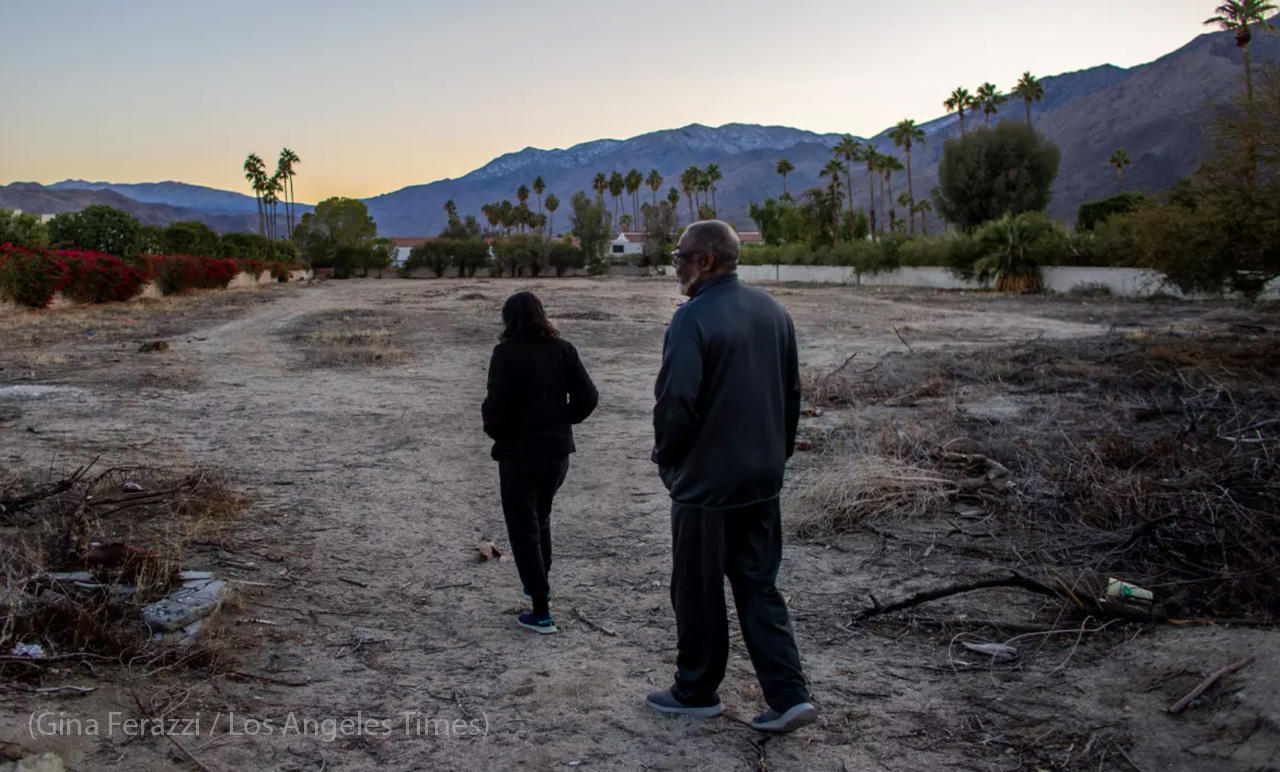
403	246
631	243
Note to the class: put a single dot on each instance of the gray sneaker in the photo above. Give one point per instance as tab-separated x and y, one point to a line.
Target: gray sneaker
666	702
784	723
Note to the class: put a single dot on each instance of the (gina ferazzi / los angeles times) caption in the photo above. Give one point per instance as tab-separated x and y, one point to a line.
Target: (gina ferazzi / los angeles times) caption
409	723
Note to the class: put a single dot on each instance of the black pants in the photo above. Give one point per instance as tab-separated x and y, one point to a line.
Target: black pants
529	485
744	544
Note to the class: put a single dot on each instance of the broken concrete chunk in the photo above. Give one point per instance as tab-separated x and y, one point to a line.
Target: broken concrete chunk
45	762
196	599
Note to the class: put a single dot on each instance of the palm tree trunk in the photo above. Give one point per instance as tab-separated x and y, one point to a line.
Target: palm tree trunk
262	222
1120	174
784	184
871	202
961	121
882	218
911	194
714	211
924	223
1028	101
692	218
848	176
892	213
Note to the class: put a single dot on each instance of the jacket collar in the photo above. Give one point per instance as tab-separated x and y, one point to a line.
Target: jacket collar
717	281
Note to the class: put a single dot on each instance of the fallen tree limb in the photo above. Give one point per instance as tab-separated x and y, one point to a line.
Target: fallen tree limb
1204	685
1011	579
1020	581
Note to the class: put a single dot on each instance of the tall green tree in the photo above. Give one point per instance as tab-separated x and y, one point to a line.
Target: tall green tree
673	198
712	175
990	98
987	174
338	234
553	204
634	181
255	173
871	157
848	148
539	185
905	135
1119	159
617	184
689	180
23	230
590	223
1239	17
833	170
888	165
784	168
1029	90
654	181
289	160
959	101
600	183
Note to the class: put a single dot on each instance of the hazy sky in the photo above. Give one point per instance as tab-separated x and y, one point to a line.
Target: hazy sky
379	94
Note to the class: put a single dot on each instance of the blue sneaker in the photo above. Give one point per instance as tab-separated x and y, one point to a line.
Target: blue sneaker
784	723
543	625
666	702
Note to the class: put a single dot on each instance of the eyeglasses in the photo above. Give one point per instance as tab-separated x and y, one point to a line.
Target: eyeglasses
681	255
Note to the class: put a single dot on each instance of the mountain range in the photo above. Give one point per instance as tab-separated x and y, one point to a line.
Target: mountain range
1156	111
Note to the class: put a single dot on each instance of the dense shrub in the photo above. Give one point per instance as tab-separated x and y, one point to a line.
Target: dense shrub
190	238
565	257
29	278
23	230
92	277
1094	213
175	274
98	228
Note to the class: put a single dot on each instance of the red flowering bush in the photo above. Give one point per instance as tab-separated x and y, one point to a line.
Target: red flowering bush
179	273
92	277
30	278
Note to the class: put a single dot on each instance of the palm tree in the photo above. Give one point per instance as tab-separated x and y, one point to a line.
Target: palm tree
833	169
904	135
553	204
959	101
288	160
689	186
848	149
654	181
784	168
617	184
673	198
254	172
1119	159
1029	89
990	98
492	214
1238	18
451	210
887	165
634	181
922	207
275	186
712	176
506	215
869	155
600	183
539	185
625	222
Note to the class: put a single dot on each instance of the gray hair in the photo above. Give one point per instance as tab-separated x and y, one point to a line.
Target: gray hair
716	238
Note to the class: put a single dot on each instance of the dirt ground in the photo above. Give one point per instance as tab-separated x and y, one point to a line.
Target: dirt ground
359	594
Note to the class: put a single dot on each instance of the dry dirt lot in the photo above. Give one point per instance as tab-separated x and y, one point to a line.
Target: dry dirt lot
348	414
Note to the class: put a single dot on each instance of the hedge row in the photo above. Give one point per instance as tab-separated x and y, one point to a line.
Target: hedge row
33	277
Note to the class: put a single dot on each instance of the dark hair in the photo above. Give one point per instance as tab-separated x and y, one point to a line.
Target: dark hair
523	318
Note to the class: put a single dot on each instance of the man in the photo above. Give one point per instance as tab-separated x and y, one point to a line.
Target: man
728	402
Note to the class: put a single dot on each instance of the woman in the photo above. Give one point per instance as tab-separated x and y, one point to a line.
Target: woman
538	389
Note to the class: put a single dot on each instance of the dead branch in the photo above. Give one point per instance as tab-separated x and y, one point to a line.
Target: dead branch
904	340
1204	685
1012	579
593	625
52	489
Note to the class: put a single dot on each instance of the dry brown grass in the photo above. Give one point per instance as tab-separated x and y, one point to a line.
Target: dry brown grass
352	337
852	490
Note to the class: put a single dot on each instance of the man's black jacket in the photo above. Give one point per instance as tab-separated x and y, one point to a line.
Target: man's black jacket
538	389
728	397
